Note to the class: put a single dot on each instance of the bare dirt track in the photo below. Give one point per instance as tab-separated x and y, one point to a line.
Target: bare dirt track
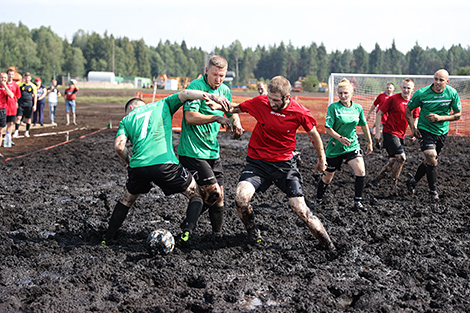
405	254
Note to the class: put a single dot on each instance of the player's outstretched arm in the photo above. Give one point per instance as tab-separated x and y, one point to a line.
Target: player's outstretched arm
226	106
236	126
433	118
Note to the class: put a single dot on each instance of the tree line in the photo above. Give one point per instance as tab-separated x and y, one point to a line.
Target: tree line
43	53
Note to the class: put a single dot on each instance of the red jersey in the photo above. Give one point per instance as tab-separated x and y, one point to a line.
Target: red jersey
3	98
396	123
273	138
71	93
13	102
380	100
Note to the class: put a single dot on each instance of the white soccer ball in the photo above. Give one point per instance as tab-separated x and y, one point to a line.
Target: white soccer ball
161	242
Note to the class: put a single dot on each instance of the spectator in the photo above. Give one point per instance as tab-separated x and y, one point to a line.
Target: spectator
38	115
262	88
54	95
26	104
11	107
5	93
70	104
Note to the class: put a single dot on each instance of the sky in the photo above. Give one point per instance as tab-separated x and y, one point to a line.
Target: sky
207	24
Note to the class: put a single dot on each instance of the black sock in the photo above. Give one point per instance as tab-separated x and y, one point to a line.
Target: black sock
28	126
359	187
420	172
321	189
192	214
17	126
216	215
431	174
116	220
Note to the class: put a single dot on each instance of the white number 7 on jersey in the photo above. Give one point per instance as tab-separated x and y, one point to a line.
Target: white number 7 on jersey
145	125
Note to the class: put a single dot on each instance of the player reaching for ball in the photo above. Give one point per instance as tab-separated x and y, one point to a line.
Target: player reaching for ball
270	156
149	129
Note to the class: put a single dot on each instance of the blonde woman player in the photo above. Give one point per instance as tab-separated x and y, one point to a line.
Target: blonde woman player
342	118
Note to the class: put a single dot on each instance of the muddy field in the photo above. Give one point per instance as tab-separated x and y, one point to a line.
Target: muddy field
405	254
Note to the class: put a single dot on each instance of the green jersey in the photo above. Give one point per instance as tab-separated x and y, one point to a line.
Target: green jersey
149	129
437	103
343	120
200	141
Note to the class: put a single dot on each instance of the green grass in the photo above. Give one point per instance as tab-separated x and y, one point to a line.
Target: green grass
105	99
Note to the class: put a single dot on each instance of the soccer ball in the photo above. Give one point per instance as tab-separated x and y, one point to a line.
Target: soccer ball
160	241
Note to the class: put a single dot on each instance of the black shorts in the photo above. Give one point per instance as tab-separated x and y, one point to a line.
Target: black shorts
3	118
334	164
262	174
393	144
205	171
11	118
430	141
26	112
171	178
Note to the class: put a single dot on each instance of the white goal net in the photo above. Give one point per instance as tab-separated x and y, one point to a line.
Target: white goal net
368	86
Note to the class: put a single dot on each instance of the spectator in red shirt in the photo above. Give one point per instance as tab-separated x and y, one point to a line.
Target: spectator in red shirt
270	156
70	104
394	130
12	107
5	93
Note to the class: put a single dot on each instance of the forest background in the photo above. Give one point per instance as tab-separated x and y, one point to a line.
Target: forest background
43	53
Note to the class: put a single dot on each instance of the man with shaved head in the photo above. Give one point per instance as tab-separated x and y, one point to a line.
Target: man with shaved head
439	105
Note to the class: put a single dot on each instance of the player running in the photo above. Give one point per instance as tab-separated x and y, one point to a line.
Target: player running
436	102
270	156
342	118
394	131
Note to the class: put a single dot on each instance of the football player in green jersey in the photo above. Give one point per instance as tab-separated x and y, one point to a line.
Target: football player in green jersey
198	148
149	129
341	121
436	101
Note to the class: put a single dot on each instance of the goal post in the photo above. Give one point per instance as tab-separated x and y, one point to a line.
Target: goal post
368	86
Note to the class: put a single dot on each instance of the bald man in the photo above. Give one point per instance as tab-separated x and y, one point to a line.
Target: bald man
440	104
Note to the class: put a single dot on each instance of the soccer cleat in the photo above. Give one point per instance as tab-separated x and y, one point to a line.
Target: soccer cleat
434	195
184	237
15	134
372	183
411	184
254	235
216	237
359	206
26	134
317	202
